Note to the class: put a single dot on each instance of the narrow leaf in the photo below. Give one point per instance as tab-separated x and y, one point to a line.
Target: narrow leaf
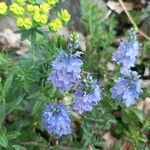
18	147
3	141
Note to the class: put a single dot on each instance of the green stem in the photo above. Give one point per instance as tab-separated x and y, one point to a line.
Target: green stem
33	40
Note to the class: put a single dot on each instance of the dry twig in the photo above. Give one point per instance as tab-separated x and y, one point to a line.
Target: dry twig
132	20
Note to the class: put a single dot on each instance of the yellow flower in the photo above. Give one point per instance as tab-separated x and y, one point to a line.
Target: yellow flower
52	2
55	24
64	15
44	8
30	8
27	23
37	17
40	18
43	19
21	2
20	22
16	9
3	8
24	22
36	9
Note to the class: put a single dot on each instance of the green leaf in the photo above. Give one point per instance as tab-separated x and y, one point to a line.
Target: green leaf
39	1
118	145
8	82
32	1
2	112
43	33
139	114
18	147
125	116
13	106
3	141
33	39
13	135
36	107
119	128
25	34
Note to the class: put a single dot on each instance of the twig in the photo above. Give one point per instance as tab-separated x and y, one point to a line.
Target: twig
132	20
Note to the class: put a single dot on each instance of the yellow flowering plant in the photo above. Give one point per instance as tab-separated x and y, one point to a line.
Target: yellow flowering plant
64	15
17	9
30	8
26	23
31	16
55	25
44	8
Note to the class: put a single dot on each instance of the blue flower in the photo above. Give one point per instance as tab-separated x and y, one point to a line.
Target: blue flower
126	54
85	99
65	71
127	88
56	119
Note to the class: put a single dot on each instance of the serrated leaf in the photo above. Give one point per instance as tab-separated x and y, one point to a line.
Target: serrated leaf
3	141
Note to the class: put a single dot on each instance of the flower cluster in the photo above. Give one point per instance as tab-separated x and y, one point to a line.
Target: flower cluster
17	9
24	22
64	15
126	53
3	8
127	88
67	74
55	24
86	96
35	15
65	71
56	119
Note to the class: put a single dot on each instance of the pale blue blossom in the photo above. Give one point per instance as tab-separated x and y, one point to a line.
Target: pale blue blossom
86	97
66	71
127	53
127	88
56	119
